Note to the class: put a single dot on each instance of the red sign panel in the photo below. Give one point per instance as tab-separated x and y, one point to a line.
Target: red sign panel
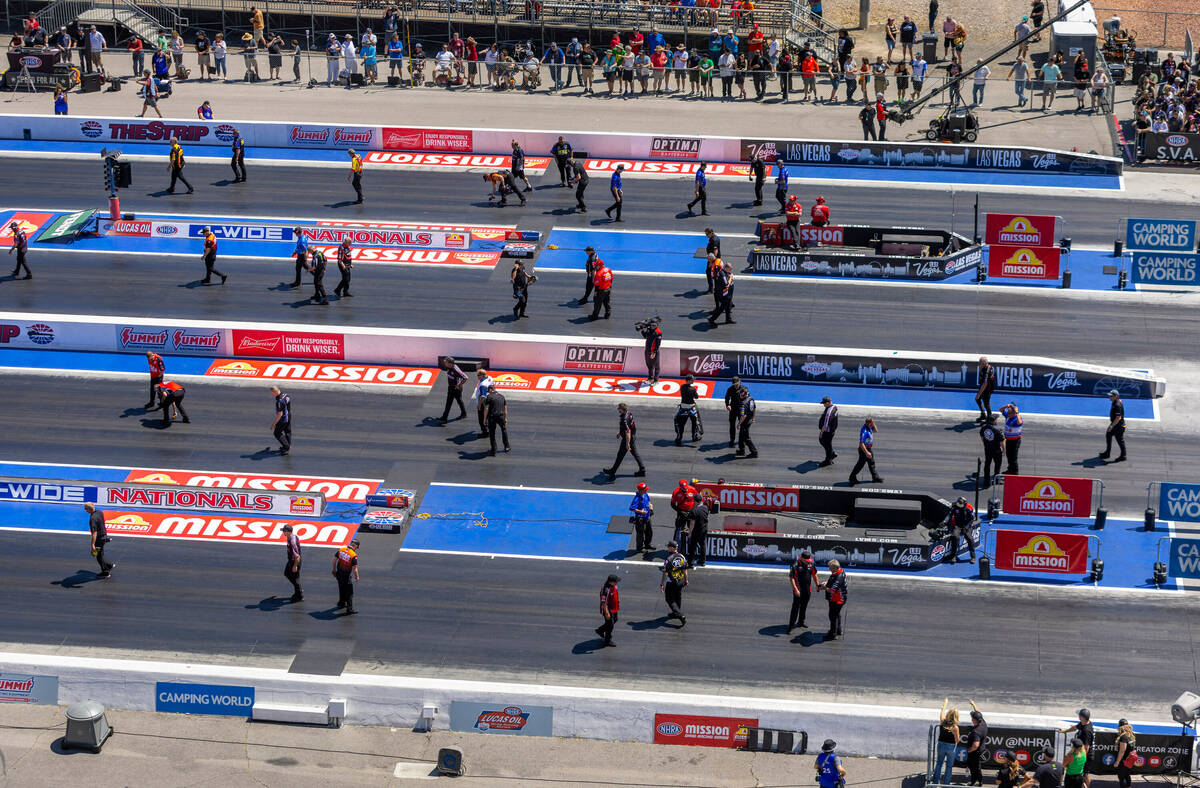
752	497
1016	229
288	344
27	221
310	370
1034	551
372	254
1023	262
1048	496
226	528
701	731
575	383
457	140
335	488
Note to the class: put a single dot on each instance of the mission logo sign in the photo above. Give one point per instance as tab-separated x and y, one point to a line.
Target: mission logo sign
1032	551
1048	496
702	731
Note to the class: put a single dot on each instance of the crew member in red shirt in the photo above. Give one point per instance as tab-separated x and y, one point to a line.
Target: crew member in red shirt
820	213
683	500
635	40
210	258
610	605
793	210
602	281
755	43
170	395
157	369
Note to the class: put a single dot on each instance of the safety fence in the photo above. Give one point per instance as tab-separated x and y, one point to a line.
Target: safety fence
1151	28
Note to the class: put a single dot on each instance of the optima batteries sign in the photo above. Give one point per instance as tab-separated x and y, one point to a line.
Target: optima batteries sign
504	718
203	699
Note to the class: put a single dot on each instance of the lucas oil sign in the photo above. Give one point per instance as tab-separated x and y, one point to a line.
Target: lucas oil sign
504	718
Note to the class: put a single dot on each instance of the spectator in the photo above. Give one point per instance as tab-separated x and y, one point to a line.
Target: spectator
297	54
391	22
658	63
349	57
1126	747
754	42
628	67
881	115
774	49
725	65
864	80
66	44
1083	77
1051	73
1099	88
1075	761
947	746
655	40
981	74
587	64
976	742
60	101
814	8
333	60
1021	33
608	67
693	65
636	39
490	58
257	26
845	48
220	50
176	48
730	41
933	12
555	58
1010	774
706	76
758	72
1049	774
1037	10
879	75
395	53
137	50
471	55
739	73
908	36
678	62
204	55
808	75
162	42
959	40
370	61
890	34
275	55
97	45
948	28
784	71
902	73
457	47
161	64
1019	74
149	93
571	58
642	65
250	55
919	69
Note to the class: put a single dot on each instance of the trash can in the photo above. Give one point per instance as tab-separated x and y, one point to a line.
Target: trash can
929	47
87	726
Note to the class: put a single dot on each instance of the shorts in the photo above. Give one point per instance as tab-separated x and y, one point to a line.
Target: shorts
519	174
810	83
947	41
152	101
202	59
1049	88
177	58
891	44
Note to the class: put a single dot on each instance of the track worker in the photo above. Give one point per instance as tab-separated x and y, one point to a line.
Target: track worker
345	565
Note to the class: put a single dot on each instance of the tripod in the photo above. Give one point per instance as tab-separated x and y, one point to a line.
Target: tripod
24	78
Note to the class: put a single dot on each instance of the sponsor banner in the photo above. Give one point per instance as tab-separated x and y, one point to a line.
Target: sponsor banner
167	339
1034	551
835	263
1179	502
126	228
714	169
169	229
1025	743
1169	146
923	155
1160	235
333	488
454	161
29	221
1158	753
339	373
594	358
288	344
1159	268
387	521
1047	496
907	372
370	254
392	498
225	528
205	499
425	239
1185	558
47	492
243	232
752	497
1013	229
455	140
591	384
1023	262
23	688
146	131
504	718
331	136
674	148
478	232
229	701
702	731
882	552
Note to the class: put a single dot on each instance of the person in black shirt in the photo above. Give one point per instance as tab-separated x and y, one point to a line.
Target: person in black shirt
987	384
993	448
627	433
99	539
496	414
976	740
1048	775
960	520
1010	774
1087	736
589	267
345	262
713	242
20	245
746	410
688	411
317	269
827	426
803	578
758	174
723	294
520	287
579	178
837	592
282	425
653	336
733	404
1116	427
455	378
518	167
698	540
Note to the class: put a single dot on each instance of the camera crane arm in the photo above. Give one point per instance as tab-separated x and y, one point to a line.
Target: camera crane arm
910	110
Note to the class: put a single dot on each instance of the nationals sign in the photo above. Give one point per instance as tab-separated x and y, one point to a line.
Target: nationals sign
334	488
1048	496
752	497
701	731
1019	229
1033	551
1023	262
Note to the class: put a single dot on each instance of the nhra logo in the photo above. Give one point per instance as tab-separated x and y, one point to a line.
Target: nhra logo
183	340
669	728
383	517
166	229
225	132
1021	231
40	334
1024	262
132	337
31	61
937	553
1177	139
1047	497
513	718
91	128
1041	552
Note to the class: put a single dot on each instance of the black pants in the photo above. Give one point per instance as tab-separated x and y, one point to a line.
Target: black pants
682	524
959	539
343	285
785	84
602	301
1115	434
702	198
283	434
733	425
990	460
21	263
563	162
319	293
605	630
758	184
1012	448
511	187
479	413
174	398
984	401
238	164
864	459
883	128
616	206
724	304
799	609
653	364
698	545
454	394
835	617
643	532
826	441
973	765
301	264
587	288
674	596
1124	778
177	175
293	576
522	301
726	87
154	381
502	424
210	267
781	196
621	452
104	563
356	182
745	443
682	417
868	130
345	590
760	84
579	190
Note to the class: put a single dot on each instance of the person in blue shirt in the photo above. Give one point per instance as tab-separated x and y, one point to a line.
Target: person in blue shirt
60	102
781	183
395	53
555	57
715	44
866	452
238	158
300	253
614	185
162	66
701	190
573	51
655	40
204	111
830	772
730	42
641	509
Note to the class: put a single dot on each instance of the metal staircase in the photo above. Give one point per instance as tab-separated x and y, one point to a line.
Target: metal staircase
805	27
144	19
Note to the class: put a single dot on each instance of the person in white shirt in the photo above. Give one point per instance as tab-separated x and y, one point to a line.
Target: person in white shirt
726	63
1159	125
679	61
349	55
97	41
483	387
1019	74
919	69
489	62
176	48
443	59
368	38
1099	88
531	65
220	52
981	74
774	48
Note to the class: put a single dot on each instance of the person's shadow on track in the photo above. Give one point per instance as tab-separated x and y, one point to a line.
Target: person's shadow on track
662	622
192	285
473	455
262	454
589	646
77	580
342	204
509	318
806	467
270	604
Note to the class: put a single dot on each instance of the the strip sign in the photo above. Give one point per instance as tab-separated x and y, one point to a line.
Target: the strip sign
148	496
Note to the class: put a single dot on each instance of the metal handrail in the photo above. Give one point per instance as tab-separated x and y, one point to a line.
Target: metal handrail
61	13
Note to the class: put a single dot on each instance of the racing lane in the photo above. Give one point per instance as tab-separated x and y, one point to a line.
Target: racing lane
532	620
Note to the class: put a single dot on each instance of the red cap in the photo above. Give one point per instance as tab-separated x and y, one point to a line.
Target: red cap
683	482
641	487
